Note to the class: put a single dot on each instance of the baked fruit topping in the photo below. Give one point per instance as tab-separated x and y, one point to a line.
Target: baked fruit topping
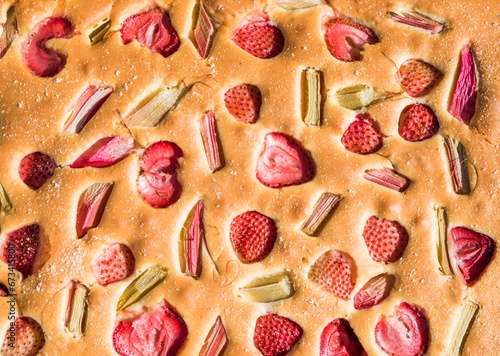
386	240
243	102
9	31
363	135
338	339
35	169
216	342
275	335
204	31
28	338
388	178
105	152
418	77
463	102
374	292
417	122
21	247
91	207
114	264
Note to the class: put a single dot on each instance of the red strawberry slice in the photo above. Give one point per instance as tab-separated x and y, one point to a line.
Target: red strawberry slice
406	333
252	235
105	152
374	291
345	38
243	102
386	240
338	339
284	162
275	335
473	251
417	77
363	135
40	60
159	190
24	338
25	242
159	330
161	156
417	122
333	271
35	169
152	29
114	264
259	37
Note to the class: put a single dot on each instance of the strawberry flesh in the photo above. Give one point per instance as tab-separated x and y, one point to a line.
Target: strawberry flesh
161	156
114	264
275	335
417	122
243	102
338	339
386	240
284	162
417	77
363	135
24	337
104	152
26	244
463	103
35	169
374	292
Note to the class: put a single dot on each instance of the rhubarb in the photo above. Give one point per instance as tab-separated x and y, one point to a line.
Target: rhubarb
216	342
415	19
99	30
459	165
374	292
5	204
325	204
298	4
192	236
357	96
441	242
268	288
209	135
105	152
76	310
312	97
9	32
388	178
465	322
91	207
204	31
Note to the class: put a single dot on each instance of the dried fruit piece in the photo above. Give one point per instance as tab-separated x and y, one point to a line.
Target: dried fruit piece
216	342
37	57
99	30
275	335
459	165
388	178
24	337
473	252
333	271
209	135
415	19
204	31
463	102
21	247
298	4
313	98
363	135
417	122
5	204
465	322
358	96
141	286
268	288
35	169
91	207
192	236
114	264
338	339
9	32
152	29
105	152
76	310
386	240
418	77
243	102
87	105
405	333
441	243
322	209
257	36
374	292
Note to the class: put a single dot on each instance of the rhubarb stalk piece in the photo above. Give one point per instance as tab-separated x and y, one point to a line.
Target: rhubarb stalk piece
105	152
91	207
358	96
99	30
192	236
5	204
216	342
204	31
9	32
269	288
388	178
459	168
209	135
374	292
441	242
313	98
76	310
415	19
325	204
465	322
298	4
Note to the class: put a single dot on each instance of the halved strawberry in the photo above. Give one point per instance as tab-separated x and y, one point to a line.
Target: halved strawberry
338	339
473	251
275	335
40	60
363	135
35	169
386	240
418	77
374	291
259	37
161	156
114	264
159	330
152	29
104	152
252	235
20	248
417	122
345	38
406	333
159	190
243	102
24	337
284	162
333	271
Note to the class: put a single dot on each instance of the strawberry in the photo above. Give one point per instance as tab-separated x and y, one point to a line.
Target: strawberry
406	333
160	157
473	251
275	335
345	38
363	135
374	292
159	330
417	122
35	169
338	339
114	264
252	235
25	242
104	152
417	77
257	36
37	57
152	29
284	162
243	102
333	271
159	190
386	240
25	335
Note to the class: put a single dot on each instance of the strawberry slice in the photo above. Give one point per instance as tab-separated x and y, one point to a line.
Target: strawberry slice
37	57
374	292
25	242
386	240
252	235
104	152
338	339
275	335
406	333
161	156
284	162
417	77
159	190
159	330
243	102
363	135
114	264
345	38
35	169
152	29
473	251
417	122
333	271
24	337
91	207
257	36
